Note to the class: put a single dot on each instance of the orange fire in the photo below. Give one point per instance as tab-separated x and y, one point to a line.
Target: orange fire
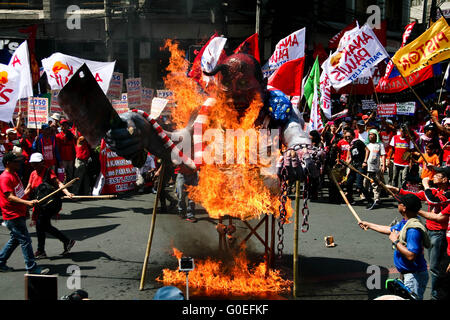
238	189
239	278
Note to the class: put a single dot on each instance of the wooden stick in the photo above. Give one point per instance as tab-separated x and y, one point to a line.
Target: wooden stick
296	223
109	196
416	146
378	181
152	227
54	192
345	198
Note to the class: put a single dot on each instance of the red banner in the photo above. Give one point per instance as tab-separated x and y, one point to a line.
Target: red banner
397	84
387	110
119	173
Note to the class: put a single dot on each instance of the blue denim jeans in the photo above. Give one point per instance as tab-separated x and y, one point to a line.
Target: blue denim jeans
417	282
19	235
181	182
436	253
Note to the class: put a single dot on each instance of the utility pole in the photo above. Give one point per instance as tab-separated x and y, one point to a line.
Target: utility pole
108	39
424	14
131	14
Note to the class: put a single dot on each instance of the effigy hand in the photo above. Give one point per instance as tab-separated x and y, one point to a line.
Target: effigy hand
134	137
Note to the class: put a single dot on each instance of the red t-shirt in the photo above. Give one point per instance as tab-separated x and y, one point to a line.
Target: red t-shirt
401	145
66	146
10	182
82	151
343	147
37	177
446	211
386	138
48	151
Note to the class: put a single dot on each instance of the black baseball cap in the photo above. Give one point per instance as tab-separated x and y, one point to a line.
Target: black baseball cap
10	157
444	170
410	201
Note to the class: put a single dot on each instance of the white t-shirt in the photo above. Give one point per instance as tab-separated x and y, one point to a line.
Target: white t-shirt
363	136
373	161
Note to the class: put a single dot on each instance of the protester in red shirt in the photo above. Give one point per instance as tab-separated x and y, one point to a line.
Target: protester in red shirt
82	150
343	147
65	141
41	174
14	210
45	144
401	146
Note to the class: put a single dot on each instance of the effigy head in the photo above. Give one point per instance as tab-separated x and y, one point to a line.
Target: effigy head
240	78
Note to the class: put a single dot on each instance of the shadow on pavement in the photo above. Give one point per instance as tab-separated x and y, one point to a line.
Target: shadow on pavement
84	256
331	278
84	233
91	212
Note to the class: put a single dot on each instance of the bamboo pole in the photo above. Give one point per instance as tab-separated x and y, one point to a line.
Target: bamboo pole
345	199
416	146
296	223
54	192
378	181
110	196
152	228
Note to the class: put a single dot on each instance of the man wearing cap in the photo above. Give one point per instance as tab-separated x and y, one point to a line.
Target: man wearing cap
56	122
11	139
409	237
375	163
14	210
46	145
42	174
65	142
360	132
437	199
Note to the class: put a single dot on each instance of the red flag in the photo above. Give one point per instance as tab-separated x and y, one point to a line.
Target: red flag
334	42
320	52
250	46
196	70
288	78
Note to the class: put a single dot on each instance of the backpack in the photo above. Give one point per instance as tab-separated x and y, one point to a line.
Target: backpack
52	205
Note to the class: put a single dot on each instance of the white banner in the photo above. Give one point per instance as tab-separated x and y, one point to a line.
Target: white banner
359	50
290	48
61	67
325	95
9	91
20	61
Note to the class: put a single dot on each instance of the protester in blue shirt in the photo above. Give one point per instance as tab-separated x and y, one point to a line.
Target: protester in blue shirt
409	237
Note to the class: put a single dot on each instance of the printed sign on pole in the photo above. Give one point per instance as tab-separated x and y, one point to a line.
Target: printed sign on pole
147	96
134	93
406	108
368	104
158	105
121	106
386	110
37	112
115	86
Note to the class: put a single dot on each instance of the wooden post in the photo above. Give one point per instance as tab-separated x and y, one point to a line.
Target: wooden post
296	223
152	227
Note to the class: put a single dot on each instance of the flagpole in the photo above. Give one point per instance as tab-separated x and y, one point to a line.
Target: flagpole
409	86
443	81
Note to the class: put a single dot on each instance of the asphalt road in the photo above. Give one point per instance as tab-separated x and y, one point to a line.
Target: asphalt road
112	235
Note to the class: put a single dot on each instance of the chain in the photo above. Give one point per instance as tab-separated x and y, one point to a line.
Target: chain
305	209
282	210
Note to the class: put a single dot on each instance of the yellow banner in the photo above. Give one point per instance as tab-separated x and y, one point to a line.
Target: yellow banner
429	48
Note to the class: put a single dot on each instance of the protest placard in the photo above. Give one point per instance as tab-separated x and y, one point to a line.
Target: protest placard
158	105
115	86
406	108
37	112
368	104
134	93
147	96
121	106
386	110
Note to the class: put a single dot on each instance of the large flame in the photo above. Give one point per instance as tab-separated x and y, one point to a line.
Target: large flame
238	189
215	278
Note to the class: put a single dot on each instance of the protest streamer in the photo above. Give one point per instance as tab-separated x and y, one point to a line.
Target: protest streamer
152	228
359	50
9	91
60	68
